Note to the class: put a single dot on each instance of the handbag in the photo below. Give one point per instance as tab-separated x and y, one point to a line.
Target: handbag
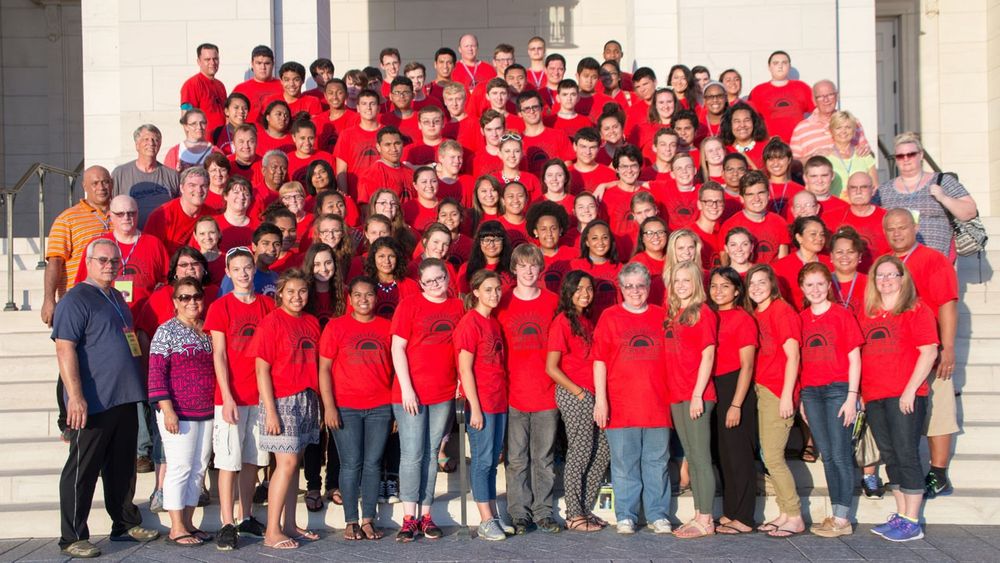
970	236
866	451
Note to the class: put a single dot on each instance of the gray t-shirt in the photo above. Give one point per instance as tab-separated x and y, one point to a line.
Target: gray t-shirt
149	190
109	374
934	227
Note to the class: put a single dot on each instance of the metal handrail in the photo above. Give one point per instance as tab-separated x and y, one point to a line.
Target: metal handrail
38	169
890	159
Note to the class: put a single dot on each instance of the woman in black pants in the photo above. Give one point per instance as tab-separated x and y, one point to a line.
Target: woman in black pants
736	411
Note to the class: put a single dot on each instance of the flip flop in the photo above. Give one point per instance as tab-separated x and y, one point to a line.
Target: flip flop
202	535
702	530
782	533
314	501
729	530
287	543
306	535
767	528
177	541
352	532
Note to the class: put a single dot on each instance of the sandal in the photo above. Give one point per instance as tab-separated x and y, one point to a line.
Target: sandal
314	501
597	520
767	527
582	524
203	536
782	533
306	535
185	541
728	529
447	465
700	530
334	496
371	532
809	454
353	532
287	543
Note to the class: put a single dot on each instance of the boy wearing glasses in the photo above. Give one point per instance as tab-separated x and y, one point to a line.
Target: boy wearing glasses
540	143
401	114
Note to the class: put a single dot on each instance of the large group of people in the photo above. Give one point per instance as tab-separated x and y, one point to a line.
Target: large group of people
660	284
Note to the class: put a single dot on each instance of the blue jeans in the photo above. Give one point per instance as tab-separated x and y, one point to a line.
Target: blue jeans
898	438
419	439
360	442
833	439
485	446
144	443
639	470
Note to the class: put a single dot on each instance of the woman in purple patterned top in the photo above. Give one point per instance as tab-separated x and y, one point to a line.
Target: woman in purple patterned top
181	388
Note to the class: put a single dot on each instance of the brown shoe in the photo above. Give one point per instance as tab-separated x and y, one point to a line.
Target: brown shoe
143	464
831	530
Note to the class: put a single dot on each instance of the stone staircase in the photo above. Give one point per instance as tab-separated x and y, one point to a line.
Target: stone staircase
33	454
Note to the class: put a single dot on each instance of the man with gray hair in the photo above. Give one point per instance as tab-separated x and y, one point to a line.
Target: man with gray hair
274	168
98	355
811	137
174	221
145	178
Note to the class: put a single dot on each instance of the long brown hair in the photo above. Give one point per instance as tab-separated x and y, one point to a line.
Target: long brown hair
907	293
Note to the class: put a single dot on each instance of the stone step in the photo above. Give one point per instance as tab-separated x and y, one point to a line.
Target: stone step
27	395
977	438
36	341
31	454
979	407
28	367
979	324
30	423
983	351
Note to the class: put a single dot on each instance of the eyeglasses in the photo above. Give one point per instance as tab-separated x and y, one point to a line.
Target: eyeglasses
402	93
829	96
713	202
906	155
733	170
293	196
188	264
635	286
510	137
187	297
331	232
889	276
715	97
655	234
531	109
435	281
104	260
489	241
236	249
125	213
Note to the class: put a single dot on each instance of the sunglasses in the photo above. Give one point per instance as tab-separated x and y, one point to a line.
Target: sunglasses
510	136
906	155
125	213
187	297
236	249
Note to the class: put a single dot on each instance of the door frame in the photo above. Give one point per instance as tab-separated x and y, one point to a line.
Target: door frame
907	12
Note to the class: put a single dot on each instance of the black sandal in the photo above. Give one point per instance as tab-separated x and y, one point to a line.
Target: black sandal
809	454
371	532
353	532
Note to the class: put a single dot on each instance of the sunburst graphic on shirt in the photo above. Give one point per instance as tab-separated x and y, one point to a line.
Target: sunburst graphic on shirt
764	248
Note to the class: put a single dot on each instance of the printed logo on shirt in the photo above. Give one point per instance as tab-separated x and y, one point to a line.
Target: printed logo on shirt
439	329
641	345
764	248
304	350
819	346
879	340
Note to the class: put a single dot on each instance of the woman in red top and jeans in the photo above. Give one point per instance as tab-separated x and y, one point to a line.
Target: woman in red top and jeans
901	344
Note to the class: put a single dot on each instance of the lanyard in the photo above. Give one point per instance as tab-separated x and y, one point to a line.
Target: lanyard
118	310
845	301
909	253
779	207
471	73
125	259
537	77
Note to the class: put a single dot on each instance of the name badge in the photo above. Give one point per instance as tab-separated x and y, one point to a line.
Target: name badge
125	287
916	216
133	342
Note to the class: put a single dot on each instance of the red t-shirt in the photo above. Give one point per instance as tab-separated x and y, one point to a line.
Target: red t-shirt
588	181
851	294
417	216
356	147
778	323
754	154
525	330
517	232
267	143
890	351
507	279
711	245
827	339
257	93
159	308
481	336
781	199
406	125
238	321
576	361
317	93
870	229
460	189
683	348
782	107
362	361
460	250
329	131
386	302
681	207
251	172
214	202
289	344
297	166
770	234
557	266
427	327
380	175
737	330
306	104
657	288
208	95
933	275
569	125
486	163
420	154
618	205
832	211
471	75
631	345
145	265
787	271
171	225
235	236
546	145
605	283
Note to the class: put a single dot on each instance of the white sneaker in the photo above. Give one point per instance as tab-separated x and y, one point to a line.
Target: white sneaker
661	526
625	526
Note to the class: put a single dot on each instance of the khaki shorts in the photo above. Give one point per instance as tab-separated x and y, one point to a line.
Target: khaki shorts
236	444
942	415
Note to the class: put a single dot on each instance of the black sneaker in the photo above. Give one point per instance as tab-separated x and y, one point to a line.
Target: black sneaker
204	499
548	525
227	538
872	486
409	530
934	487
260	494
252	527
522	526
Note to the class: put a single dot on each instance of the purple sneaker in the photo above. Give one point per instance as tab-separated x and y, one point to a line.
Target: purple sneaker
889	524
904	531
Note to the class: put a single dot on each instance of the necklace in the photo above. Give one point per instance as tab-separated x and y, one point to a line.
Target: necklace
387	287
